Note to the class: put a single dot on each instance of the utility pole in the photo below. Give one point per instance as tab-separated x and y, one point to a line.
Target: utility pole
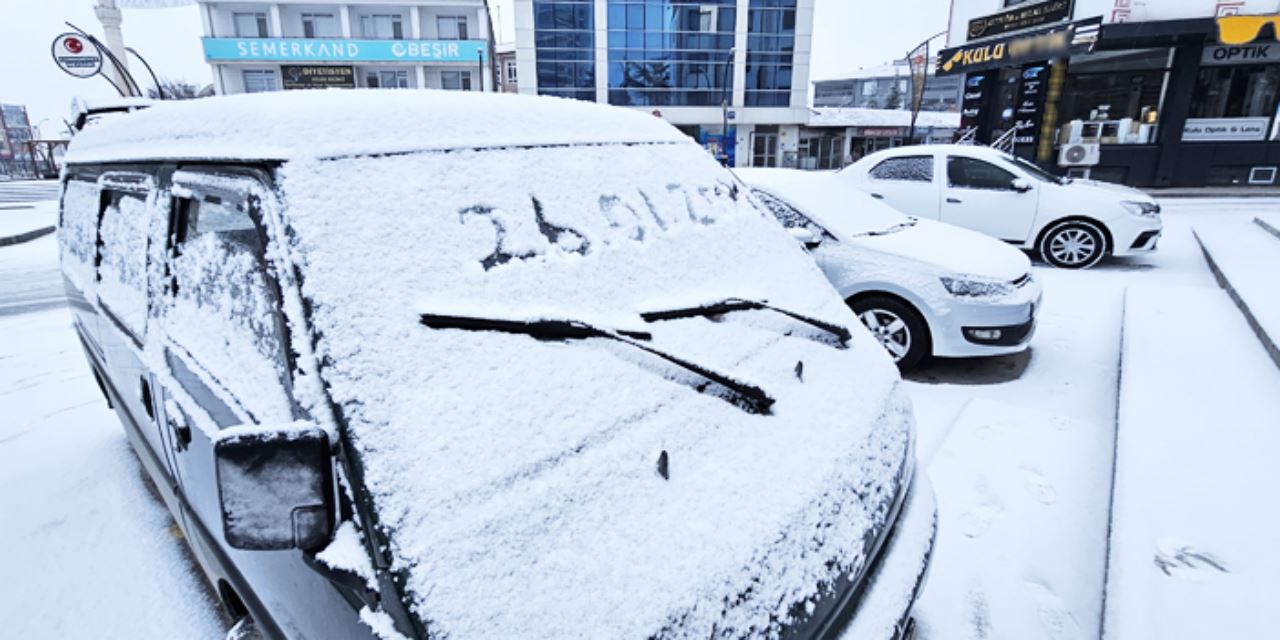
111	18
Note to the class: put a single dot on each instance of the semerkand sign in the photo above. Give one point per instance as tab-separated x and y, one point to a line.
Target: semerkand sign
311	50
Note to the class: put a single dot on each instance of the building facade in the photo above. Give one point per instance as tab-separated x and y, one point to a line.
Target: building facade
15	132
389	44
733	74
887	87
1152	94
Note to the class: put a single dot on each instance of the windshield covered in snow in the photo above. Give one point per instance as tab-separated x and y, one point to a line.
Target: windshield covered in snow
829	200
502	464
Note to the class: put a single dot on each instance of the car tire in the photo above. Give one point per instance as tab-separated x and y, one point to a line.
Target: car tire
897	326
1074	244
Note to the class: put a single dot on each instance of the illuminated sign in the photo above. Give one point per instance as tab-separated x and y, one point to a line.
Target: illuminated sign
318	50
1072	39
1019	18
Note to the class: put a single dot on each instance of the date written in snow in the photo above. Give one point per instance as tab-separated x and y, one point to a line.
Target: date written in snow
635	216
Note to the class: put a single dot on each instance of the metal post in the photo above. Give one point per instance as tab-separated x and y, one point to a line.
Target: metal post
480	68
724	106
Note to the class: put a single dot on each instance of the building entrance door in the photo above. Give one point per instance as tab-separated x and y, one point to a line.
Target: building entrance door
764	149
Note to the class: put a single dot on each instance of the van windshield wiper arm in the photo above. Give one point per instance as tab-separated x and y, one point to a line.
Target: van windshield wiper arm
753	398
729	305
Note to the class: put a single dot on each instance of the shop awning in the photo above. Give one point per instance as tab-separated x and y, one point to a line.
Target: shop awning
1162	33
1062	40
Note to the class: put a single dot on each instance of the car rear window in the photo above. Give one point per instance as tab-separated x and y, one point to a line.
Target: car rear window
910	169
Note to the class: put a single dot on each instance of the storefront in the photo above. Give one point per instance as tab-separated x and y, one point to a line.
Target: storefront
1153	103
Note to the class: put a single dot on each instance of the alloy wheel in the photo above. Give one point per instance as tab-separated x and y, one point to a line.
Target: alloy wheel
1073	246
890	330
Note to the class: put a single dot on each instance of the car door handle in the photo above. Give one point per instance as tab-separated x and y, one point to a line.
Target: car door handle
953	200
877	196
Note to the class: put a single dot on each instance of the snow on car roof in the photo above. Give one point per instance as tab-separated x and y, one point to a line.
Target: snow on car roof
308	124
830	201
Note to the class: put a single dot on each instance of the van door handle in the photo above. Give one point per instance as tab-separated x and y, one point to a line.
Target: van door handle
953	200
877	196
181	435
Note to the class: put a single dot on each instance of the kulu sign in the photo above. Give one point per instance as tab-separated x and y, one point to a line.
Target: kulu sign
313	50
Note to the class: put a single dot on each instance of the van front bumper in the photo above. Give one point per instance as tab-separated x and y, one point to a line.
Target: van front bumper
885	609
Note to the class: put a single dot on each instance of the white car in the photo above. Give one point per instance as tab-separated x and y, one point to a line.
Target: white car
921	287
1073	224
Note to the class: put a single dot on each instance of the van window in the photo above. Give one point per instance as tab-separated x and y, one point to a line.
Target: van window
223	311
78	231
122	272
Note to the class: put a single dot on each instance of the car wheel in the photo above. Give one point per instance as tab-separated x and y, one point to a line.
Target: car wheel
1073	245
898	328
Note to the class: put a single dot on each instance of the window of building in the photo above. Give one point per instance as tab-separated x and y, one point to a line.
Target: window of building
771	39
910	168
250	25
564	33
319	25
387	79
259	80
451	27
382	26
455	80
1236	92
968	173
511	73
1116	85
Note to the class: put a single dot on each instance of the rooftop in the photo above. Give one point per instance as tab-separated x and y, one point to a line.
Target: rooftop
300	124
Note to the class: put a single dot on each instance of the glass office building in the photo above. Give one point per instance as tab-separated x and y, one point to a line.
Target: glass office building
696	63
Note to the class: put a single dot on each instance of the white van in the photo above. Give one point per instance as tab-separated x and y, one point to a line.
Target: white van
452	364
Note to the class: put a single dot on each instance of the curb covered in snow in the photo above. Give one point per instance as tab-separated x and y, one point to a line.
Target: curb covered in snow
1267	226
1273	350
26	237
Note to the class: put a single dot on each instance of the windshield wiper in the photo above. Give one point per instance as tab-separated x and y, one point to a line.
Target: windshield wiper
730	305
894	229
753	399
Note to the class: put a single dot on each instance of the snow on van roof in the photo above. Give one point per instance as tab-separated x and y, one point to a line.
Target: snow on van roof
309	124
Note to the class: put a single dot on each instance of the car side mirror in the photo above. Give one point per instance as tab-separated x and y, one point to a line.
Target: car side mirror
1020	185
275	484
805	237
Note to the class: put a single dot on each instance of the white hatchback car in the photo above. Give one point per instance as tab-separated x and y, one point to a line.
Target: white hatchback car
921	287
1073	224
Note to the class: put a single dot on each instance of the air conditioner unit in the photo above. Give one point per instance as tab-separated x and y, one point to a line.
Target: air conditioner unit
1079	155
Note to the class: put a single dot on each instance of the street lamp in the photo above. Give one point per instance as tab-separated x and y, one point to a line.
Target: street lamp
724	105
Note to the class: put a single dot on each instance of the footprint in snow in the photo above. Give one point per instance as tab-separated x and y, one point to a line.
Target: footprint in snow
975	522
1039	486
1180	560
1056	618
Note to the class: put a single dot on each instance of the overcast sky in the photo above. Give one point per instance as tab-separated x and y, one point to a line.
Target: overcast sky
849	35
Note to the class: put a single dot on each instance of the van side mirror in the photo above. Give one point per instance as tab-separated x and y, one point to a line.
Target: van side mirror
275	484
1020	185
805	237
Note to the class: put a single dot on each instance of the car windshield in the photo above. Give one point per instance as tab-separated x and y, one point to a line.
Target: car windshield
1035	170
500	463
830	201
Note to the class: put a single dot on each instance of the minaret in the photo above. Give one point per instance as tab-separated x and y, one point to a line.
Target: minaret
111	18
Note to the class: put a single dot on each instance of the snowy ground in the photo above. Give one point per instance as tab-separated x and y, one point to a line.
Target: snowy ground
1019	450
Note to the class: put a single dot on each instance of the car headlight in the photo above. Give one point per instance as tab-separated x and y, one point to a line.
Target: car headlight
1147	209
967	288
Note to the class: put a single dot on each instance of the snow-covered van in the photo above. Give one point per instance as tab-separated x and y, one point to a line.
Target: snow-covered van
411	364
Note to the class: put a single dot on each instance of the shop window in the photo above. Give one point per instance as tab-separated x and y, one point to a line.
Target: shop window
910	169
250	25
382	26
319	25
968	173
451	27
455	80
1236	92
259	80
387	79
1107	87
